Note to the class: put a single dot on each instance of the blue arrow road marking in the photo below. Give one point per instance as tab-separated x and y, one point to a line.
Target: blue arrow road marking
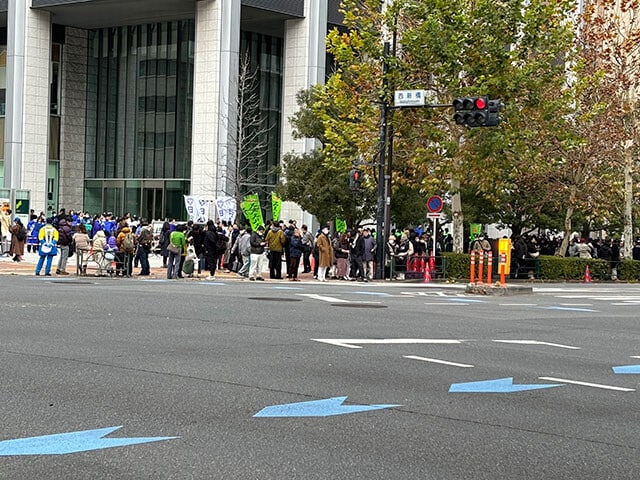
317	408
627	369
500	385
72	442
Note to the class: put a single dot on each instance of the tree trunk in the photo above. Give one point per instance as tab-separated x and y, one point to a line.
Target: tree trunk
458	218
567	232
628	204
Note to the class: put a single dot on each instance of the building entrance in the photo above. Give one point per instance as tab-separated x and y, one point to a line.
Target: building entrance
152	202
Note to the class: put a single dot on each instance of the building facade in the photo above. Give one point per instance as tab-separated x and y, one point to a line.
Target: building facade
127	105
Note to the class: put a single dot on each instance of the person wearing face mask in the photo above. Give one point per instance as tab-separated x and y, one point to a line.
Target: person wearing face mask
325	254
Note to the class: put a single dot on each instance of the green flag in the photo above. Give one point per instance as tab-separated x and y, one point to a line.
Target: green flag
475	229
251	208
341	225
276	206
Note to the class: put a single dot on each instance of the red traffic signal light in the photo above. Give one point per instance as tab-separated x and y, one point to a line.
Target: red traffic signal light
471	111
480	103
355	178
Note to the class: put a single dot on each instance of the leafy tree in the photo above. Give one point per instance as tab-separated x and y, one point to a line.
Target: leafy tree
323	192
610	42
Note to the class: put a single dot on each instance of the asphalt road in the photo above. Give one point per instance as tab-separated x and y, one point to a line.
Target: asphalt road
201	360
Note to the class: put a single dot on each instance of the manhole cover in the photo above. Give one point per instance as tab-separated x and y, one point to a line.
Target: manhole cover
272	299
358	305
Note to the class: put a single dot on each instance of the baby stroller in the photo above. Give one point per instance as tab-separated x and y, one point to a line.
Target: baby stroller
108	261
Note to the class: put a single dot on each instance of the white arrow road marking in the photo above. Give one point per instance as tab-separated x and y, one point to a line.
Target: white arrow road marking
535	342
587	384
434	360
323	298
355	342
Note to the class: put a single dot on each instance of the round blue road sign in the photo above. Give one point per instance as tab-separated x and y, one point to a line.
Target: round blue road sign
434	204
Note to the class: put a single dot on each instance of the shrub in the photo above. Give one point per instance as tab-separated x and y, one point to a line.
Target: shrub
457	266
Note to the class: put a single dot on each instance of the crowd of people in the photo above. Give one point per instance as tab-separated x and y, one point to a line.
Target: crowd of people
118	245
189	249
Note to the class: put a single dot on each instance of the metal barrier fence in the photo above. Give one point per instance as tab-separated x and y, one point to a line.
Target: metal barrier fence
414	267
102	263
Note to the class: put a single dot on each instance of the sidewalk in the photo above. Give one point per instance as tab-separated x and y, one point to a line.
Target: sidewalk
28	266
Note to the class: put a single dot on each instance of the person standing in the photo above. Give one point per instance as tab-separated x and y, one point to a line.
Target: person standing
341	252
83	246
369	258
5	225
65	237
257	258
276	240
145	240
244	251
163	242
18	239
295	252
176	248
48	238
126	242
357	254
325	254
307	242
211	249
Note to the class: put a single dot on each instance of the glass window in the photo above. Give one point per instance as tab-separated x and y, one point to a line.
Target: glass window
140	91
3	80
56	75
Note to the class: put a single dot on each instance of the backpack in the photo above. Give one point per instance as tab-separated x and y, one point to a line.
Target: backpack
221	243
146	237
128	243
21	234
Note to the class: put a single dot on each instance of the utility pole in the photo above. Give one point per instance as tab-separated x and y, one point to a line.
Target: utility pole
382	152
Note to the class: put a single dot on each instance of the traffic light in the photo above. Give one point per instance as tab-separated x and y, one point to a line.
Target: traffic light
494	113
471	111
355	179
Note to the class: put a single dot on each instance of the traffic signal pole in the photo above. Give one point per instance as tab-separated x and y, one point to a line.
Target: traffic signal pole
382	152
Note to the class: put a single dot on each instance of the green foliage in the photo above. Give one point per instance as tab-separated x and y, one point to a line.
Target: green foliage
570	268
629	270
554	268
323	192
456	265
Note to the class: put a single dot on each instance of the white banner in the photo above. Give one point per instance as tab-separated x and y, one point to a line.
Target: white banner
196	208
227	208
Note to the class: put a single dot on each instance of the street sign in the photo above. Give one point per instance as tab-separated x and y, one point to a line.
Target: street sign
437	216
409	98
434	204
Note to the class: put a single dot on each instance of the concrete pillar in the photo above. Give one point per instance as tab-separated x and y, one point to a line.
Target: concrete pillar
73	118
215	89
305	59
27	112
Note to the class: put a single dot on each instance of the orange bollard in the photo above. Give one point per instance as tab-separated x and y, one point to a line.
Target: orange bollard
480	266
472	261
489	267
503	266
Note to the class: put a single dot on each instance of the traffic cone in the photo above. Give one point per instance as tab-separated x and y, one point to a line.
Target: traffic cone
427	274
587	275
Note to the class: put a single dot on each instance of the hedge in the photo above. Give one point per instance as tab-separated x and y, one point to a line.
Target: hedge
552	268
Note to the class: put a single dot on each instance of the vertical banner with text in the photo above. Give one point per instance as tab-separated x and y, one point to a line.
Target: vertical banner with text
276	206
196	208
227	208
251	208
